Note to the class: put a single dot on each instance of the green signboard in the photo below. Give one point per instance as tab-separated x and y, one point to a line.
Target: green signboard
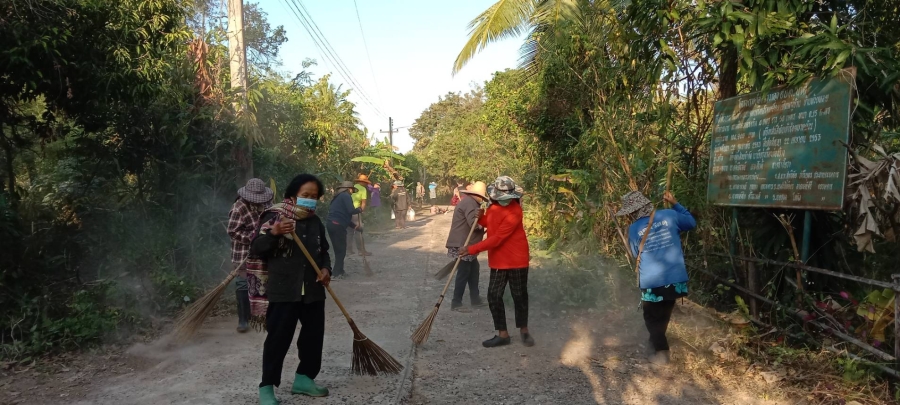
782	148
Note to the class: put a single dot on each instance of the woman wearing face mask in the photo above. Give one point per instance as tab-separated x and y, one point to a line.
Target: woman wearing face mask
295	292
508	258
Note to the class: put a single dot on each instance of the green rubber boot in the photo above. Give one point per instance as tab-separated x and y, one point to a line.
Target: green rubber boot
267	395
306	386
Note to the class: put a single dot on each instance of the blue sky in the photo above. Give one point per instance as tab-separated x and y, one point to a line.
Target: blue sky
412	44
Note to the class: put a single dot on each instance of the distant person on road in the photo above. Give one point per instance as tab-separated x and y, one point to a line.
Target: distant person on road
243	220
464	217
339	220
508	257
661	269
420	194
296	293
460	186
432	191
360	200
400	200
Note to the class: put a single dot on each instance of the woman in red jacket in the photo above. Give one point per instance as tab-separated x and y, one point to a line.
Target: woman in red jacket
508	257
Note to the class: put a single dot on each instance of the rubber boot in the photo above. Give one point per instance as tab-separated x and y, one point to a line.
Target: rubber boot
267	395
306	386
243	307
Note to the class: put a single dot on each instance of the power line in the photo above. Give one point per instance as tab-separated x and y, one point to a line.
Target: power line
327	53
368	56
334	53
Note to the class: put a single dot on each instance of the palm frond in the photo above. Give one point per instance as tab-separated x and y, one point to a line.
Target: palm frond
504	19
555	11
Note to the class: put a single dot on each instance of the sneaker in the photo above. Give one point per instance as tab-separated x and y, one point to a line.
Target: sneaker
496	341
459	308
479	304
527	340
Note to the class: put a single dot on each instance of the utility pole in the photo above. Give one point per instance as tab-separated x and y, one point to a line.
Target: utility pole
390	133
237	54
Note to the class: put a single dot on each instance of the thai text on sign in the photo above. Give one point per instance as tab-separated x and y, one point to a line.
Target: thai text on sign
782	148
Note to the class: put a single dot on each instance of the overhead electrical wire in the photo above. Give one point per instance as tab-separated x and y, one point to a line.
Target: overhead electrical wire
334	53
327	51
368	55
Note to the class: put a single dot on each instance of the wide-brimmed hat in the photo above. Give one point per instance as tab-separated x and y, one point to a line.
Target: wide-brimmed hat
256	192
632	202
346	184
504	188
363	179
477	188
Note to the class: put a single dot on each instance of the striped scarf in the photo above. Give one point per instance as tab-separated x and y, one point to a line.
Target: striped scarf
257	272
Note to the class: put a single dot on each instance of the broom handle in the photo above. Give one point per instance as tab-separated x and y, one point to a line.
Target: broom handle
319	272
458	259
669	178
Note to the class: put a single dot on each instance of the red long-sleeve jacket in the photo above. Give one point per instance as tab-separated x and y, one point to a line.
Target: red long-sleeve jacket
506	243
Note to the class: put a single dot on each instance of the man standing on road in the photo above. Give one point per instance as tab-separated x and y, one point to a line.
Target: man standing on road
432	192
464	218
400	201
360	198
243	219
337	223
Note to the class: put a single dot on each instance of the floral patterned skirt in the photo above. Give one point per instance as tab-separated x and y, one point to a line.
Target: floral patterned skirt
670	292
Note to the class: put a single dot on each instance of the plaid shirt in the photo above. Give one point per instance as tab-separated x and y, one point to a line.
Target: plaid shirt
243	219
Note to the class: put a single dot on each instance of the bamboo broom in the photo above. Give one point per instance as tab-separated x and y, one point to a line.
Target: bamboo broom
368	357
421	334
189	322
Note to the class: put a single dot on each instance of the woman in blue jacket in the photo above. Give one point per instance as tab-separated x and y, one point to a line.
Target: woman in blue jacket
662	272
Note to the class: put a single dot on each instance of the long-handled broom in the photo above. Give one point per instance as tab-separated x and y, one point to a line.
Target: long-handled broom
362	244
189	322
421	334
368	357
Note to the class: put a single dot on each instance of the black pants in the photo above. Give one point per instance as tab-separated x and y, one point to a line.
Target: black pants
281	321
400	219
467	274
338	236
518	286
656	317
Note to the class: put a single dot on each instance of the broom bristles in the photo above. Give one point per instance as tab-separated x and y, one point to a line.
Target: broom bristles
445	271
369	358
192	318
420	336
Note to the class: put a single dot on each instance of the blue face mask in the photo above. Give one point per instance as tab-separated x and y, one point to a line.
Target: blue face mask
307	203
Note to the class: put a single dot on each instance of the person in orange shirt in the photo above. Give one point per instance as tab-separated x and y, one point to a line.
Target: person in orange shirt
508	258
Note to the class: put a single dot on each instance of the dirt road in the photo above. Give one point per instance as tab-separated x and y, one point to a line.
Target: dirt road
580	358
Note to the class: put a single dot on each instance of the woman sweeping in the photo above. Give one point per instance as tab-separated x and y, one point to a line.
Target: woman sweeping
660	262
294	291
508	258
340	216
243	220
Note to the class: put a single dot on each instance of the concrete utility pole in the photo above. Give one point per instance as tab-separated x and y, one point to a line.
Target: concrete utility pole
390	133
237	54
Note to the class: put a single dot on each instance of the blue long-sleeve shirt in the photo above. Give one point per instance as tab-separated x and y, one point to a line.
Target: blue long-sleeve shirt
342	209
662	260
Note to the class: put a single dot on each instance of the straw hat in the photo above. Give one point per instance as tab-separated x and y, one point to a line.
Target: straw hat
478	188
632	202
363	179
505	188
345	184
256	192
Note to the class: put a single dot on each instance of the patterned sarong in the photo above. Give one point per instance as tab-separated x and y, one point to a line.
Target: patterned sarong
257	272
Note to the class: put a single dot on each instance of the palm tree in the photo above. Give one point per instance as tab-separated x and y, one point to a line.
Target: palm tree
512	18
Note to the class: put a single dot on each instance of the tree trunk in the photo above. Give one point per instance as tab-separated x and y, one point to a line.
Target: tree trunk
729	73
10	167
